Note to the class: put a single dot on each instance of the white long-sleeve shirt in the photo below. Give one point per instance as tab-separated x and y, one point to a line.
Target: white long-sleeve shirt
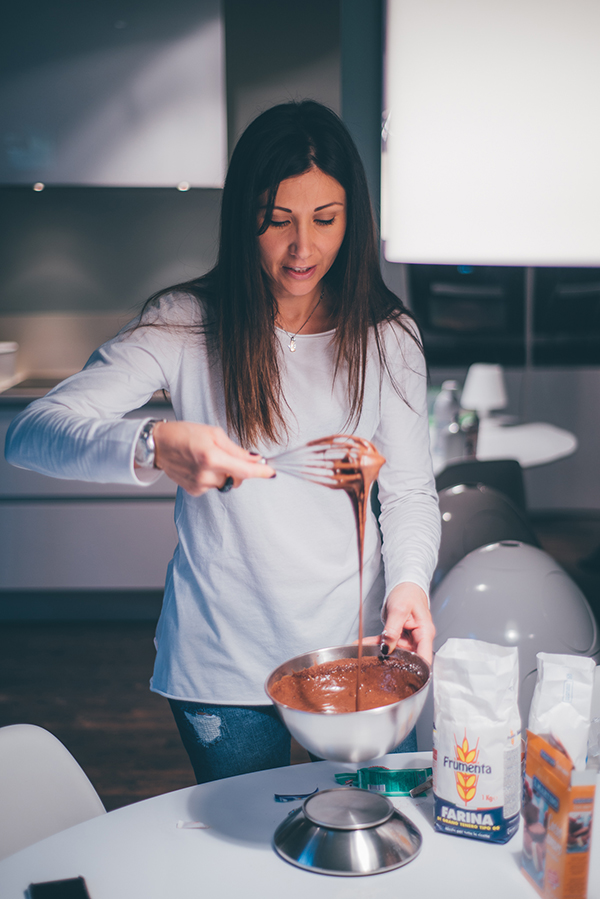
270	570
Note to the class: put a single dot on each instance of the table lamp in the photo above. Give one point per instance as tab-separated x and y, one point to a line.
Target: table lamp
484	389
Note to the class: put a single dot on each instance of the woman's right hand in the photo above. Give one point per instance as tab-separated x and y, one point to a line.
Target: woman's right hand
198	457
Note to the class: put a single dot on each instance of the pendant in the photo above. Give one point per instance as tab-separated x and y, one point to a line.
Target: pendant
292	345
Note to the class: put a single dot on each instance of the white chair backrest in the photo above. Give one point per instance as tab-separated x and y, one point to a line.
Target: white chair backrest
42	788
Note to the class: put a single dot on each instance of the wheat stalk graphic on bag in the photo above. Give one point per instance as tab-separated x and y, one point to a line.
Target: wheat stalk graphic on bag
466	784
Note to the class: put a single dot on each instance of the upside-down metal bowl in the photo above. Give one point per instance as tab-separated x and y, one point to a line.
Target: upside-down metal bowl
347	832
351	736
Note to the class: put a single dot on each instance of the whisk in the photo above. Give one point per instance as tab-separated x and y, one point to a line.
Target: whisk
335	462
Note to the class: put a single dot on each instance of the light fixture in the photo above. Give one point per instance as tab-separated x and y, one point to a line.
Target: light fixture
484	389
39	185
492	132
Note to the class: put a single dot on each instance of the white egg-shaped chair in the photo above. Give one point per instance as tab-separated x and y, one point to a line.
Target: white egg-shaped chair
476	515
515	595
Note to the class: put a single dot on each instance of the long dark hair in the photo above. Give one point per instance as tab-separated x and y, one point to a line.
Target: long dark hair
240	310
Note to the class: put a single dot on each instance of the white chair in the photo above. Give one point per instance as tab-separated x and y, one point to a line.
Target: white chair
42	788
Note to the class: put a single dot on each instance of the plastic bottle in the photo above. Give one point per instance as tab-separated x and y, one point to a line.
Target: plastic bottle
449	439
593	759
469	425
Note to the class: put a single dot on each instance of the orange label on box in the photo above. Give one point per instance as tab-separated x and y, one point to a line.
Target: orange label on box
558	805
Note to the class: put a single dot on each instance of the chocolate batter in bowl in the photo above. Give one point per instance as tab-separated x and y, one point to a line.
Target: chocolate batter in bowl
313	695
331	686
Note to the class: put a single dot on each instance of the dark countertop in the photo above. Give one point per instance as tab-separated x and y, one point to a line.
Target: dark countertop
33	387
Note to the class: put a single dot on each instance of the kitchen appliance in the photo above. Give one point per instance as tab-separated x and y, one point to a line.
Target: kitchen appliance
566	318
469	313
346	831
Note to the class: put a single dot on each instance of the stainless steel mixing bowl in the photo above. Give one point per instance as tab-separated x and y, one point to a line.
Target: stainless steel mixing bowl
347	832
351	736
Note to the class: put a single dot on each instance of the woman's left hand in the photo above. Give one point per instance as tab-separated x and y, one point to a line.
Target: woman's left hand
408	622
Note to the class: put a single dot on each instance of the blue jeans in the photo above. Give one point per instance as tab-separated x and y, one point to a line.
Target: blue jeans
223	740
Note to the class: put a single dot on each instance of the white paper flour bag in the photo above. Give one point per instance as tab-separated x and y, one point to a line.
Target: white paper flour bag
562	702
476	740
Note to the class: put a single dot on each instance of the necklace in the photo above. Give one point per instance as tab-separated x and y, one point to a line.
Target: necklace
292	343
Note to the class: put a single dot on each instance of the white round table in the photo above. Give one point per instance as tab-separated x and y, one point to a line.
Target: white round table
534	443
138	851
531	444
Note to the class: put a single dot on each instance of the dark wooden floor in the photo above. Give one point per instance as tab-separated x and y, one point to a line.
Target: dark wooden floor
87	682
574	541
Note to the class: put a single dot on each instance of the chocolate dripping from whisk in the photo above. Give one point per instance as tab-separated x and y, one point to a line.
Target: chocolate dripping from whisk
340	462
358	491
356	477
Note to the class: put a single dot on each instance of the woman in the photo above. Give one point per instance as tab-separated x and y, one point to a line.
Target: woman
291	337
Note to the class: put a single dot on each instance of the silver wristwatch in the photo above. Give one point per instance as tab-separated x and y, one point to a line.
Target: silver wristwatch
145	448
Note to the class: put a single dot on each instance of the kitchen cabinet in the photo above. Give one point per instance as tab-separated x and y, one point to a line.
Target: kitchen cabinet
75	536
484	313
93	544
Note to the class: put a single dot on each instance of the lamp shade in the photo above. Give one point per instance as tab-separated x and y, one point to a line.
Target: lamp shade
484	389
492	132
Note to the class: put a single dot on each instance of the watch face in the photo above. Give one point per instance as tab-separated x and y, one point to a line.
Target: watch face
145	447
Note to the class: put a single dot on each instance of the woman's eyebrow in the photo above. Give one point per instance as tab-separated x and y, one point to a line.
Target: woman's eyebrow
335	203
316	209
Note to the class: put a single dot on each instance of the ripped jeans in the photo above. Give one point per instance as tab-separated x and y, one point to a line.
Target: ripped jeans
223	740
